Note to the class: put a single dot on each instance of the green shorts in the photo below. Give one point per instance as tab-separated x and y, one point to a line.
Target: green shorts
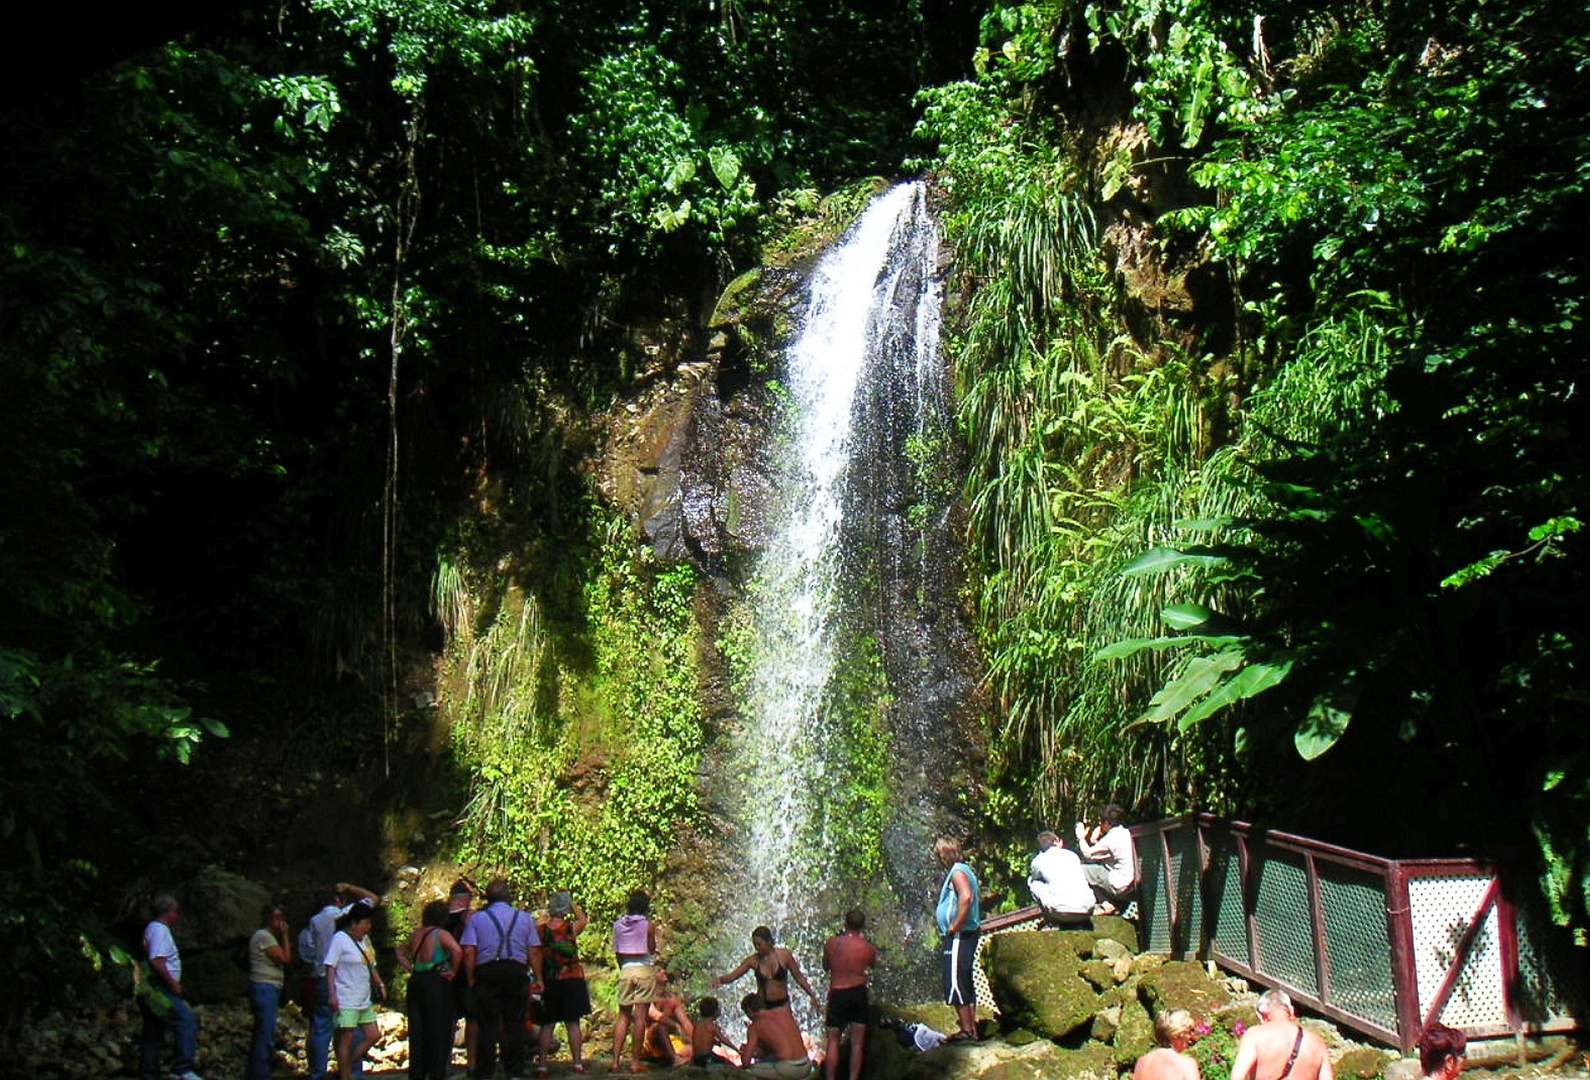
352	1018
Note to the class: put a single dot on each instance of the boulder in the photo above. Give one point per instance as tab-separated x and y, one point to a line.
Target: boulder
1035	982
1105	1023
1114	928
219	912
1094	1061
1363	1061
1403	1069
1134	1035
1097	972
1182	984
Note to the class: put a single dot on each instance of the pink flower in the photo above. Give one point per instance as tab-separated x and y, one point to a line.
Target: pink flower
1202	1028
1238	1028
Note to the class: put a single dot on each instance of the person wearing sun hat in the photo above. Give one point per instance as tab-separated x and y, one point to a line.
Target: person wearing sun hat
566	998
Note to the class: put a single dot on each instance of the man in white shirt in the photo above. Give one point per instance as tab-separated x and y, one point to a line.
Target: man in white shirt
321	929
1110	860
1057	880
165	964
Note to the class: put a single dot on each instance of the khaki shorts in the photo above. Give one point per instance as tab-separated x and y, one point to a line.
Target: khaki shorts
781	1070
638	985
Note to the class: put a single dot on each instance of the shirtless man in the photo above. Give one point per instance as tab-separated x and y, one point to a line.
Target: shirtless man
773	1046
1278	1048
846	957
1173	1030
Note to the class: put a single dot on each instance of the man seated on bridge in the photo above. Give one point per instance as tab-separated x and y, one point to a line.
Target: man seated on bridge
1108	858
1057	880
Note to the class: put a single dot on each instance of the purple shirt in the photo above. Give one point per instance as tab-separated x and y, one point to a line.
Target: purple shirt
501	932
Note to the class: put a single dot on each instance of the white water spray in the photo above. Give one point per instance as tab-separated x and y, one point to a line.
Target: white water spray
872	313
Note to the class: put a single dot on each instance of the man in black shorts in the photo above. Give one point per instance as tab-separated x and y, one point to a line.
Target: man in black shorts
846	958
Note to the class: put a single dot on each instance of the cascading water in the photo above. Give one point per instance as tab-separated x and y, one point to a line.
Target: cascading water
858	577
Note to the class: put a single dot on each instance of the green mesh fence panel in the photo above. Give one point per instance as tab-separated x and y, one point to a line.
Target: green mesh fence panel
1229	933
1354	902
1184	879
1286	940
1153	910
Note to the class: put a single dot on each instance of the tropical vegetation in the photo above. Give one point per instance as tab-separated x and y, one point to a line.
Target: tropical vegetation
1268	336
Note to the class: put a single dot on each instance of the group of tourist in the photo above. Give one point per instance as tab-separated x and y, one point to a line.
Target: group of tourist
1098	878
504	971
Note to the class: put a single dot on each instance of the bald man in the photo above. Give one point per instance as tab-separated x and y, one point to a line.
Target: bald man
1277	1048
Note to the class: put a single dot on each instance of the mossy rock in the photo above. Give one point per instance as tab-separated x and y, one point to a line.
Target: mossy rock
1182	984
1115	928
1105	1024
1036	984
1020	1037
1095	1061
888	1060
938	1017
1134	1035
1097	972
1365	1062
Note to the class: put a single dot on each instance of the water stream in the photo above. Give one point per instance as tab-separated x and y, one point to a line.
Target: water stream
859	654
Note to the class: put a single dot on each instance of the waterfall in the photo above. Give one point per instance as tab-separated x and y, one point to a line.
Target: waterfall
854	580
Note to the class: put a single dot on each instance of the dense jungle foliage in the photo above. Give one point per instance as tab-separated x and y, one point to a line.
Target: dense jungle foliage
1267	332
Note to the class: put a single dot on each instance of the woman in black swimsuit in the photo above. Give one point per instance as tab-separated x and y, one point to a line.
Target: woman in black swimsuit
773	966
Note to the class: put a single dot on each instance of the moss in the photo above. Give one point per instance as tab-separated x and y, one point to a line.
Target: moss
1097	972
1182	984
1365	1062
1035	981
1134	1036
1115	928
1094	1061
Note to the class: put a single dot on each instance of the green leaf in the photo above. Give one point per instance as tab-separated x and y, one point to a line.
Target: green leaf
725	166
1119	650
1325	723
1202	674
1186	616
1251	681
1160	559
683	171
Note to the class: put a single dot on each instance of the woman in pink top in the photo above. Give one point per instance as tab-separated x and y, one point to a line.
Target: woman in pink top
635	942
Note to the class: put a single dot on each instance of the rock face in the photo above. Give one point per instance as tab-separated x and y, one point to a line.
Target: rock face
219	912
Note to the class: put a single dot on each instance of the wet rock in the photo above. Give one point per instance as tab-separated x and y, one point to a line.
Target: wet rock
1181	984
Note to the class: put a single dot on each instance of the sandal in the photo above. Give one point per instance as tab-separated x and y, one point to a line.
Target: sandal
962	1037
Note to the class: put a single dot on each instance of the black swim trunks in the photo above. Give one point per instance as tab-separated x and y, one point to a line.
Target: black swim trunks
848	1006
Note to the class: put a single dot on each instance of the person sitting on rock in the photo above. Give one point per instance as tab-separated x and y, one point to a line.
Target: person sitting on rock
1109	858
1058	882
707	1036
773	1046
1173	1030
